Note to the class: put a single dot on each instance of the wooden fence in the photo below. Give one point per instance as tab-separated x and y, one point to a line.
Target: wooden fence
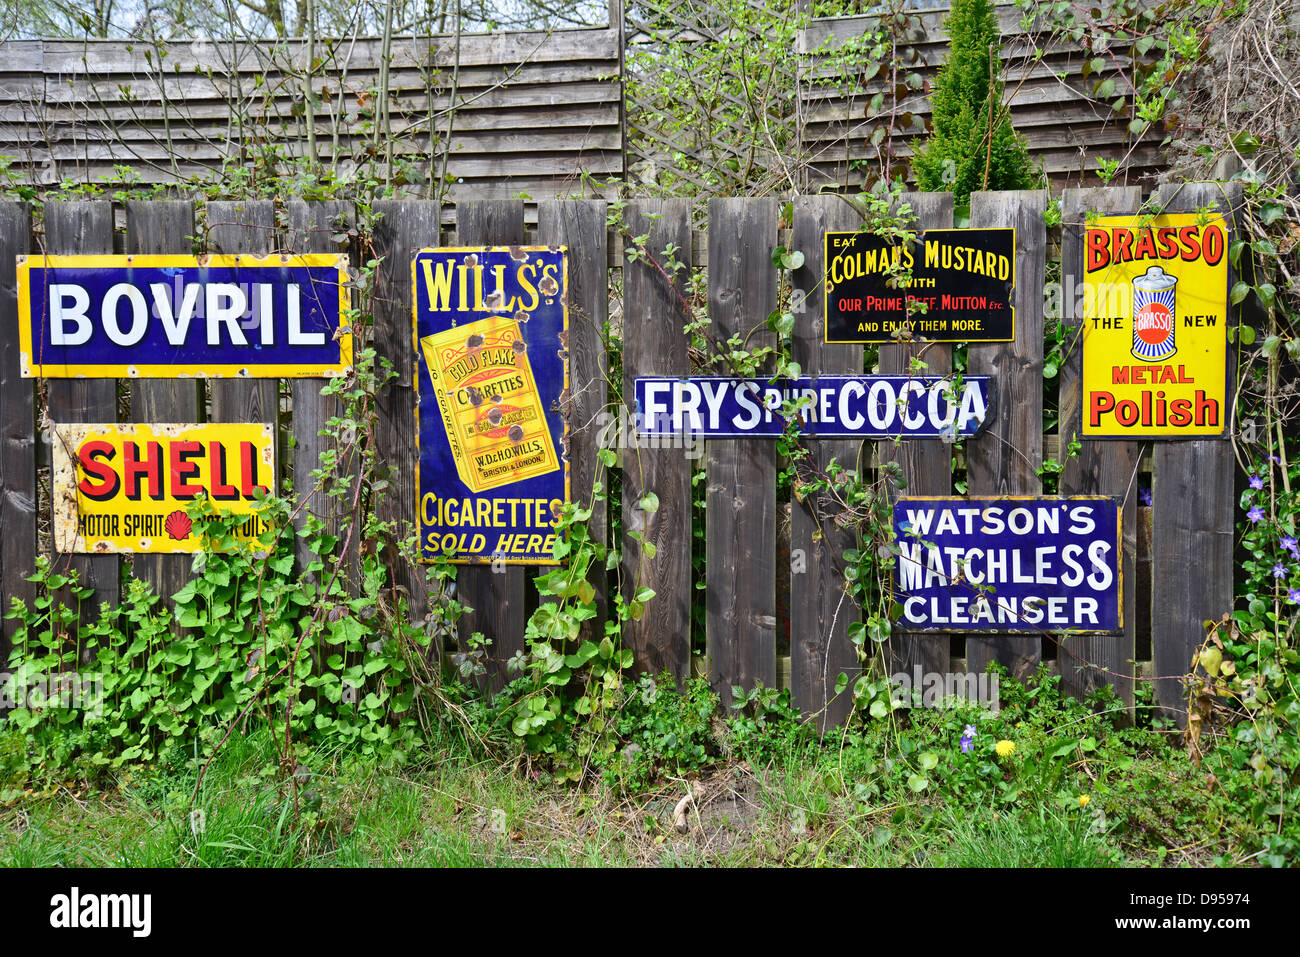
512	113
1063	107
1187	530
527	114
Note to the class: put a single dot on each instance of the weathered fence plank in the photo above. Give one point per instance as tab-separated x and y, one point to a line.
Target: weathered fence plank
245	228
1006	458
311	229
496	593
740	509
163	226
820	609
926	463
1100	468
1192	507
580	225
654	312
403	227
83	227
17	429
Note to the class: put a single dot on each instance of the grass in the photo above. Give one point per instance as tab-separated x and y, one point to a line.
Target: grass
898	792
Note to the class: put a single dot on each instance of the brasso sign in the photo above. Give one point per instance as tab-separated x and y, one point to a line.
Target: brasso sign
1008	564
178	316
881	406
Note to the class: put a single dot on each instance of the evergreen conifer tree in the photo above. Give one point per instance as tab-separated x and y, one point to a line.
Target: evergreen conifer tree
961	156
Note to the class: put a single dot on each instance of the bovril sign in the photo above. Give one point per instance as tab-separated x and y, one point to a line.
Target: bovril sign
183	316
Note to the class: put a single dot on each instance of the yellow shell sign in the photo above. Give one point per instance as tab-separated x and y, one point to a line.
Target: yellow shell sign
1154	321
126	488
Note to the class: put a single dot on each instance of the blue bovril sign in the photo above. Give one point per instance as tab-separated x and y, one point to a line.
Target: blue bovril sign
1008	564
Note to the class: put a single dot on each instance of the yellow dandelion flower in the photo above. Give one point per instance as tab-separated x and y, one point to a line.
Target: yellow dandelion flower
1004	747
1083	800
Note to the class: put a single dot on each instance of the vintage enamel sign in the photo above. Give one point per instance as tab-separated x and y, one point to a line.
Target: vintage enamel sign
836	407
1154	326
1008	564
126	488
964	277
491	343
182	316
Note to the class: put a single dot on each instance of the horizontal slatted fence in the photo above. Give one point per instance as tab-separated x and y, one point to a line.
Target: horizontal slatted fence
1052	101
512	112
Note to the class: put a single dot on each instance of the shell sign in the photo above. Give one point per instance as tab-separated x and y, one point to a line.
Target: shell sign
126	488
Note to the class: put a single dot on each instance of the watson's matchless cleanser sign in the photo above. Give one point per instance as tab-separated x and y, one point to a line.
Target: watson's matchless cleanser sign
1154	321
964	278
492	375
1008	564
181	316
829	406
126	488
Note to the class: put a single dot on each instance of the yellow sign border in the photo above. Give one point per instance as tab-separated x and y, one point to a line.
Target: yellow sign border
415	378
1171	433
66	504
30	369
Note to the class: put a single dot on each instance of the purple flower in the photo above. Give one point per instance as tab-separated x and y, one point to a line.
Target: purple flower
1255	513
1279	570
1293	595
1144	496
1256	482
1289	543
968	739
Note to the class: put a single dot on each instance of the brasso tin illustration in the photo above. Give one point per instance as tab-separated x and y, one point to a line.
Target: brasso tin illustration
1154	295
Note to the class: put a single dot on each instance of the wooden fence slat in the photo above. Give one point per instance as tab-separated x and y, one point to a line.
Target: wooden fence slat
1193	499
1006	458
654	313
403	227
926	463
740	510
17	429
249	228
820	609
311	229
580	224
497	594
163	226
1100	468
84	227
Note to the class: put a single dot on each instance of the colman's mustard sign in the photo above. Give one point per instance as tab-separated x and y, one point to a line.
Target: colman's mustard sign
491	343
183	316
1155	315
126	488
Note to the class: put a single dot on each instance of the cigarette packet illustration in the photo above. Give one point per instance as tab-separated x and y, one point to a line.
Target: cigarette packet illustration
491	407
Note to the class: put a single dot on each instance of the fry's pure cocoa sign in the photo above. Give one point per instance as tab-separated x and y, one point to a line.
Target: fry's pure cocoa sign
126	488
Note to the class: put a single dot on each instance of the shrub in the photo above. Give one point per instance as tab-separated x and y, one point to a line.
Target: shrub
973	145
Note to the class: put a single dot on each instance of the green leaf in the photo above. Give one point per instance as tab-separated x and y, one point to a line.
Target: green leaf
1239	293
